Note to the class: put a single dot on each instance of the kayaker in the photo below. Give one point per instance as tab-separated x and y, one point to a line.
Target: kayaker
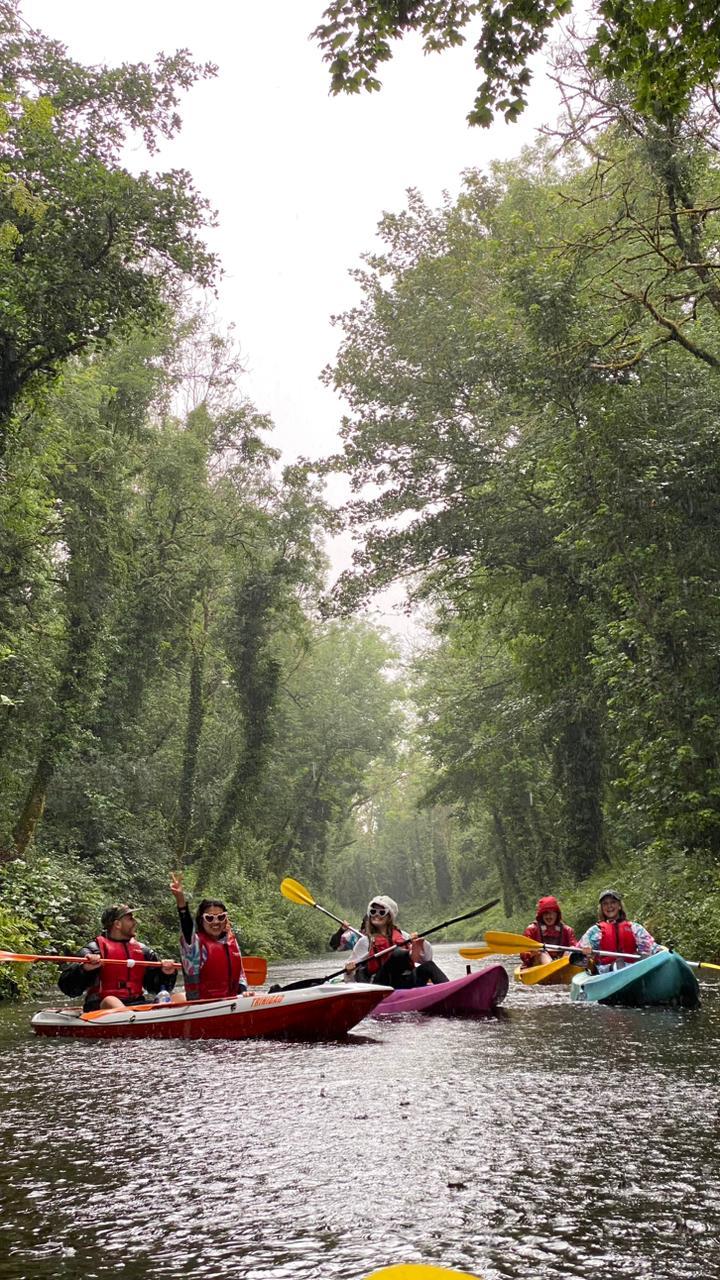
113	986
411	966
345	937
210	954
614	932
547	927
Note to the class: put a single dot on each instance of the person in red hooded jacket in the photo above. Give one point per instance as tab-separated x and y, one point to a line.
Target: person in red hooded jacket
548	928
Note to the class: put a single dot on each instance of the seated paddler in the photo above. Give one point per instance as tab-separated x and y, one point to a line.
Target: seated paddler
389	956
126	979
210	952
549	928
615	933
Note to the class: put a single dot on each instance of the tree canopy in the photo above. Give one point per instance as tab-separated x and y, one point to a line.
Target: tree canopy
87	249
664	49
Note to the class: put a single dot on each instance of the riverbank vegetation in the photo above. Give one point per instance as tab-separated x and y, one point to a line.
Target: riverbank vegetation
531	378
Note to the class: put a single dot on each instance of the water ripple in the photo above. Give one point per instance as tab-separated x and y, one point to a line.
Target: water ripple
549	1142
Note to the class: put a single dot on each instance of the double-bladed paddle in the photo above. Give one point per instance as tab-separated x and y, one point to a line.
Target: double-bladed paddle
511	943
255	966
297	892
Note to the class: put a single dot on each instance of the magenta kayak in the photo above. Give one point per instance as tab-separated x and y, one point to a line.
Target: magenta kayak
473	994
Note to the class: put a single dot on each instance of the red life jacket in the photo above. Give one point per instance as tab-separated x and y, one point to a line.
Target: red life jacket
117	979
560	935
221	968
616	936
380	943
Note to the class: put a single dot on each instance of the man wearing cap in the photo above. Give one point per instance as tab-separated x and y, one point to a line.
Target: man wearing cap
112	986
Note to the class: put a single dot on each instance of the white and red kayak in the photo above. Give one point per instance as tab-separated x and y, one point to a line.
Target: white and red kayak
317	1013
476	993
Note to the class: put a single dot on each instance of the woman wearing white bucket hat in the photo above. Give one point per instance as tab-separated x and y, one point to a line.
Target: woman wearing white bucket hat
402	966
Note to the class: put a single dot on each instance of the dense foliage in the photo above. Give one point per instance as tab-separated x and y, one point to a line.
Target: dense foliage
169	696
533	443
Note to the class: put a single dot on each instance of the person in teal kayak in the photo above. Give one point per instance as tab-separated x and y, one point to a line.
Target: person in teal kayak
614	932
408	966
113	986
549	928
211	957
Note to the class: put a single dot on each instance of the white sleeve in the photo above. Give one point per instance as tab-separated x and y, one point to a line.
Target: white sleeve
357	955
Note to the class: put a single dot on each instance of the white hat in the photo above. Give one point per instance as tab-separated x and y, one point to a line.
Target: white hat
381	900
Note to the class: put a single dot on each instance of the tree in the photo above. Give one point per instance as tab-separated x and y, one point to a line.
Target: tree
99	415
87	250
664	49
511	464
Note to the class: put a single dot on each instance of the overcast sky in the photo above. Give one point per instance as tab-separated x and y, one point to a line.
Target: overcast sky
299	179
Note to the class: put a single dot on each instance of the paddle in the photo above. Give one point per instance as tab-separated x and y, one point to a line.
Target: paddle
308	900
297	893
419	1271
12	956
511	943
255	966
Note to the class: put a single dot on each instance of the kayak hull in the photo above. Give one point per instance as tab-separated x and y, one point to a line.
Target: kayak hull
319	1013
554	977
470	996
660	979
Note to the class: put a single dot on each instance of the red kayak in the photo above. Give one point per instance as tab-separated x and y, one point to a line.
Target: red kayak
318	1013
474	994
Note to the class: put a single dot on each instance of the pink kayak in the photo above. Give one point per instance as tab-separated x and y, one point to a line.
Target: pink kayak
475	993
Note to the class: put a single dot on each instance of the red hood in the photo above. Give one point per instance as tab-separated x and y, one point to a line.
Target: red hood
548	904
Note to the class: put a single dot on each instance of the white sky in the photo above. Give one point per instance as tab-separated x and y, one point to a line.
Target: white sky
299	179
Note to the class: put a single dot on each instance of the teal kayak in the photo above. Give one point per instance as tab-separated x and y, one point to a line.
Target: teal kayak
663	978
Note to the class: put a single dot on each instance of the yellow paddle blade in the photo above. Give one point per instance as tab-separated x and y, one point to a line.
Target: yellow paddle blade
477	953
510	942
705	964
498	949
542	972
418	1271
296	892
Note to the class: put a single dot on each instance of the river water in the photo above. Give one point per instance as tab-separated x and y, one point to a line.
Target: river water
549	1142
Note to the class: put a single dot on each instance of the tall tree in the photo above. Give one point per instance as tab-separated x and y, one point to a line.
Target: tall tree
86	248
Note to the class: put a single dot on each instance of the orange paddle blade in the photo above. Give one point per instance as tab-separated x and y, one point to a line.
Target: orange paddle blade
255	970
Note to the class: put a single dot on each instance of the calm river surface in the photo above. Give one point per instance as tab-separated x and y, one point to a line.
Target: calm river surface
547	1143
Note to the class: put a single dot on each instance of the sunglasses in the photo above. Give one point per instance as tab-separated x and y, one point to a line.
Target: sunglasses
210	919
378	911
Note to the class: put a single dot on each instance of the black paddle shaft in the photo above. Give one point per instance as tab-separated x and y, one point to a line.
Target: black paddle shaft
316	982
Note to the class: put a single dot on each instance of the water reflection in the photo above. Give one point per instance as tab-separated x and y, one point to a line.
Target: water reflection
554	1141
